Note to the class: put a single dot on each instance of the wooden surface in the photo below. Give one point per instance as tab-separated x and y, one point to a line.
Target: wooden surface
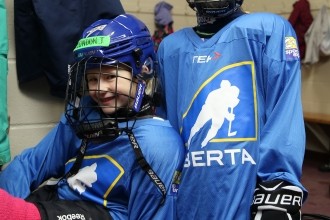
317	118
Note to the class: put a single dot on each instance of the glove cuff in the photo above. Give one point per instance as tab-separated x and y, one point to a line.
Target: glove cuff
276	198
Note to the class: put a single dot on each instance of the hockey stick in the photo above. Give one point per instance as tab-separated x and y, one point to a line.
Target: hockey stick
231	133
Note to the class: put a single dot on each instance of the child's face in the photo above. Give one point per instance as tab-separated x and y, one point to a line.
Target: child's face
111	89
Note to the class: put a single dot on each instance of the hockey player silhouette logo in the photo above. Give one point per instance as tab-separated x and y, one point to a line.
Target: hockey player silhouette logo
89	180
84	178
219	106
223	108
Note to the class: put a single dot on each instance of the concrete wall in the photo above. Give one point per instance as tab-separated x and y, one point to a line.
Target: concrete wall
33	112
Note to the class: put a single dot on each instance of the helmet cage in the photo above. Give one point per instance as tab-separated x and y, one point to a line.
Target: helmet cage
85	114
215	8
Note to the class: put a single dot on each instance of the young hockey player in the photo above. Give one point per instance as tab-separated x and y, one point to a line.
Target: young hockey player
114	157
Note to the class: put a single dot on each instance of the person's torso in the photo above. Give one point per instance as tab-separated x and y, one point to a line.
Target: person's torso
111	176
215	95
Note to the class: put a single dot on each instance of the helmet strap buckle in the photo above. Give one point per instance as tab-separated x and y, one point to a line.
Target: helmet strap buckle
137	53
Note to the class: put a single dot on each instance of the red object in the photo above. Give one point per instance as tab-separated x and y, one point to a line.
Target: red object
12	208
160	33
300	19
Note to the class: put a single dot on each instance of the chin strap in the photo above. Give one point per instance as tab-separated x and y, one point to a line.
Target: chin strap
77	164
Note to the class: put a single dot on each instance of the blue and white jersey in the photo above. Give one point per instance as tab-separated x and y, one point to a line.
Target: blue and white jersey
236	100
110	174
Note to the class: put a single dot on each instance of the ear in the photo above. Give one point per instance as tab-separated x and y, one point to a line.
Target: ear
144	70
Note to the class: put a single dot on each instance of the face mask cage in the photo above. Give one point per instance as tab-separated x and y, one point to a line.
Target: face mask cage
213	8
94	118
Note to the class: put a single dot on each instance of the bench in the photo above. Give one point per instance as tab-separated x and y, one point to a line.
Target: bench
319	118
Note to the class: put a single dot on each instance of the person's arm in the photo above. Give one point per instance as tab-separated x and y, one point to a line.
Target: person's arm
35	165
282	138
166	157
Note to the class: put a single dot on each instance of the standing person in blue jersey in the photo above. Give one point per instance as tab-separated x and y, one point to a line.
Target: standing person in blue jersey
233	90
109	148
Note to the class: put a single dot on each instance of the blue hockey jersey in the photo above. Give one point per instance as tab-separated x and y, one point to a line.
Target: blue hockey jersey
109	174
236	100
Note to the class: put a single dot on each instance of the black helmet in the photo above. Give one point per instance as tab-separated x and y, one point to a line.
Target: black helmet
215	8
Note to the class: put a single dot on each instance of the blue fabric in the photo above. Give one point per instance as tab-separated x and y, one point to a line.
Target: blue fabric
236	99
110	174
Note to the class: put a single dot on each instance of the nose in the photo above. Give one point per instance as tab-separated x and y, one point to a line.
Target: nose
103	86
101	89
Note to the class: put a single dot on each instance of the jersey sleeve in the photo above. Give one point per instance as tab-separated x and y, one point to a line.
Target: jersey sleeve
165	156
37	164
283	134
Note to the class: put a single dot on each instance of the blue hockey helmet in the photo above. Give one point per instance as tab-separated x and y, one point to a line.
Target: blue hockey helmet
215	8
120	43
124	38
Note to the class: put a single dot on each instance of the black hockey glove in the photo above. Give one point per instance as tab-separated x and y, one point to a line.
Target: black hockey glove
276	200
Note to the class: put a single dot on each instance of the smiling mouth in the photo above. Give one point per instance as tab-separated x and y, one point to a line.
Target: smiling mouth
107	100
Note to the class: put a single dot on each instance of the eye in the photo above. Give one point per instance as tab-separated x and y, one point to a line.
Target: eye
92	78
109	76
